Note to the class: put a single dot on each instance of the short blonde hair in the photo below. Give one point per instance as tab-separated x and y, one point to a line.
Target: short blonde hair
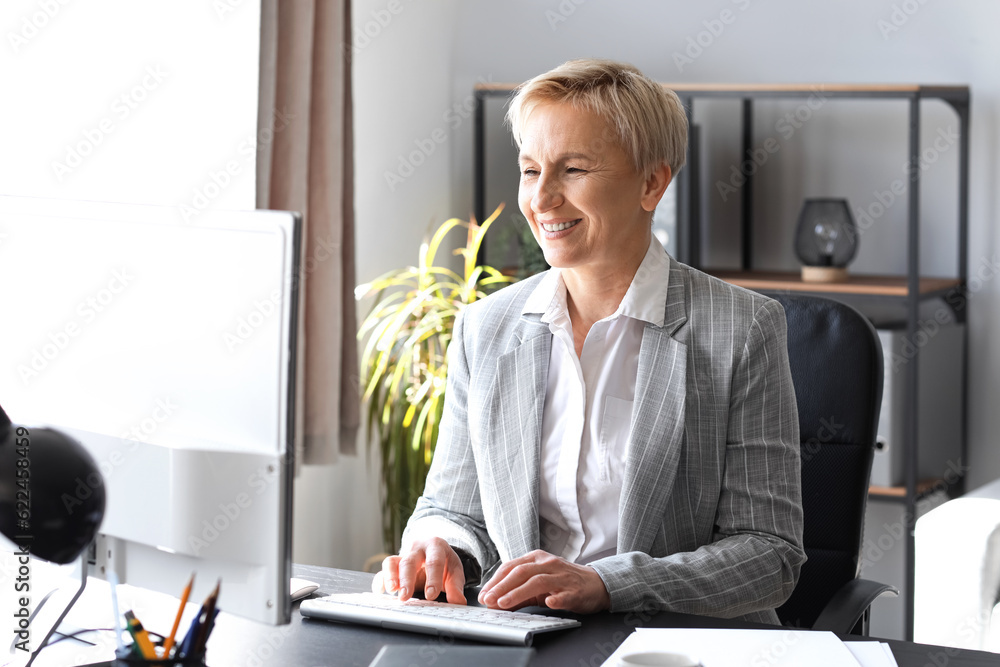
648	120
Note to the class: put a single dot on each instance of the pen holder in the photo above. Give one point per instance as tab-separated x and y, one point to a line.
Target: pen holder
127	659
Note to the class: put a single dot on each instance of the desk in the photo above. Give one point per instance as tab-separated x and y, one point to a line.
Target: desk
239	643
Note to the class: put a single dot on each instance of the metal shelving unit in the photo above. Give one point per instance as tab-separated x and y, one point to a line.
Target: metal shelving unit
908	291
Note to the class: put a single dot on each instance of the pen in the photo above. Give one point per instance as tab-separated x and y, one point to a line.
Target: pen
209	628
209	609
167	645
186	648
140	636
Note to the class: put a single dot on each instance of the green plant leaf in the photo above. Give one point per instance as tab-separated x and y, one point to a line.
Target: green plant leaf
404	361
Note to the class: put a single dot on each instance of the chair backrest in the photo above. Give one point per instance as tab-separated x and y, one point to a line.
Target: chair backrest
836	364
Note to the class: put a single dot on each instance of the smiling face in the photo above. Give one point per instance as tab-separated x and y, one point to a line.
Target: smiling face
587	206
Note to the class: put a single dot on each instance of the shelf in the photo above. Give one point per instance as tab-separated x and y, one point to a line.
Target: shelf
861	285
924	486
858	88
959	93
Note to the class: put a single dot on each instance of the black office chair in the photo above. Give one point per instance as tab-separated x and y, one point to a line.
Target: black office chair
836	363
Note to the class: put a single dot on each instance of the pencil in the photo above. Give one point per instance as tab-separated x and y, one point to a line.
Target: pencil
169	644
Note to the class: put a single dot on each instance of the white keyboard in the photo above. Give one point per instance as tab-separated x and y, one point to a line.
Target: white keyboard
434	618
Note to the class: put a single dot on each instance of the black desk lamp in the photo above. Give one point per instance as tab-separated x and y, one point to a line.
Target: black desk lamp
51	499
826	240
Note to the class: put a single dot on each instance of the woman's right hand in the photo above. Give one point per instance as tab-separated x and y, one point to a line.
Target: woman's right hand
429	565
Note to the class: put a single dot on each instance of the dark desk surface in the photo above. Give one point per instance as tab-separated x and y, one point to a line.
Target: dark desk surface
313	643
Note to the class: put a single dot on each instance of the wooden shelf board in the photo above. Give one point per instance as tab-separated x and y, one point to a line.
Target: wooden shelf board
923	486
500	87
794	88
864	285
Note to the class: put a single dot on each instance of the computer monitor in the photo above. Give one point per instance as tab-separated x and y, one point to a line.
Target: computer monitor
167	347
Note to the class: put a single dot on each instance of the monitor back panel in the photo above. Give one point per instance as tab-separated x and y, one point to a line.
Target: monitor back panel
167	347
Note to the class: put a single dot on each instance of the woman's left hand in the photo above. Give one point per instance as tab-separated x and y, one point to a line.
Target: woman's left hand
543	580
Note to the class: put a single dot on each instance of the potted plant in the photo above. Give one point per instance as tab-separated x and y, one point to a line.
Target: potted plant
404	364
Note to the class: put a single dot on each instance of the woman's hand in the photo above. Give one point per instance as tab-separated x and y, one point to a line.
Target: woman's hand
430	565
543	580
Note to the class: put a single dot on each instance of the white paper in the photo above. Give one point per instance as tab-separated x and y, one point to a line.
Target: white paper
872	654
754	648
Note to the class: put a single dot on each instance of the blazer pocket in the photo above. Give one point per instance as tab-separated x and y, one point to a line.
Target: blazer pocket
616	424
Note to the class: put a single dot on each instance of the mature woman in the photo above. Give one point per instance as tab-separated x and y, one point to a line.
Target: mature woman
620	431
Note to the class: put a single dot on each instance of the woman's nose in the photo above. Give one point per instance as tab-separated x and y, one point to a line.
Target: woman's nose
547	195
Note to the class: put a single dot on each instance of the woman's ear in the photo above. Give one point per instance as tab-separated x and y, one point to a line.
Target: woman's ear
656	184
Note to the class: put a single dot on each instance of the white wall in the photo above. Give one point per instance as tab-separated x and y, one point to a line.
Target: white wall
430	56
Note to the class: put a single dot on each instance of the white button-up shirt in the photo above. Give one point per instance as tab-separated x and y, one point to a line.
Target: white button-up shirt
588	410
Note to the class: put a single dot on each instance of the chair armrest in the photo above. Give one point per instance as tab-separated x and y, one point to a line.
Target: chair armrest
846	607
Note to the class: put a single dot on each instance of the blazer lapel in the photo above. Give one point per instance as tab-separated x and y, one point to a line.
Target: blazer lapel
657	427
518	399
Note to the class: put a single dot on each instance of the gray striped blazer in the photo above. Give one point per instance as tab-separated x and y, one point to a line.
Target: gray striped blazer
711	518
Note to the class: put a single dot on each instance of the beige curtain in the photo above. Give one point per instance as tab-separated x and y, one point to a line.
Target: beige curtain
305	163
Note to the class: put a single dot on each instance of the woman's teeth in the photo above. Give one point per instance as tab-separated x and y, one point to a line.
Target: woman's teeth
558	227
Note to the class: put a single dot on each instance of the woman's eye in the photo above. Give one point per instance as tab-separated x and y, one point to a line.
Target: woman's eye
574	170
529	172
